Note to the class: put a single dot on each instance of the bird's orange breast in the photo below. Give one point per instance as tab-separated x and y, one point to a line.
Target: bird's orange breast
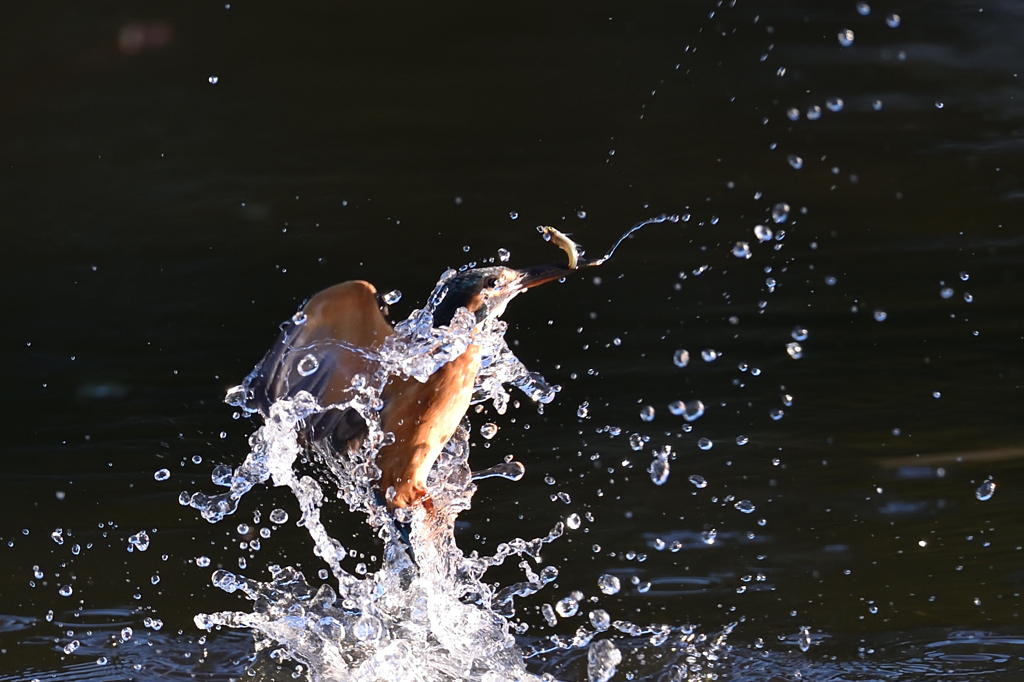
423	416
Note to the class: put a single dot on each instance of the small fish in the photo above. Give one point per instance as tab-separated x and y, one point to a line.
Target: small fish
559	239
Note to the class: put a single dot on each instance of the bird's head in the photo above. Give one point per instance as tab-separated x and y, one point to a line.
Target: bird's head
486	291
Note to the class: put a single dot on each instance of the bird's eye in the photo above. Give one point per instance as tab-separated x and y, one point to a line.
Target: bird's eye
493	283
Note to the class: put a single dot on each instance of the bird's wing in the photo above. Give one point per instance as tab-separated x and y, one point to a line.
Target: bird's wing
331	340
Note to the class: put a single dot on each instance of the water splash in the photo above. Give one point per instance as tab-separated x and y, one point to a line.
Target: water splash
426	612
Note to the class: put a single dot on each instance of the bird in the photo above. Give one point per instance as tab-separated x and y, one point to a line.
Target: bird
336	336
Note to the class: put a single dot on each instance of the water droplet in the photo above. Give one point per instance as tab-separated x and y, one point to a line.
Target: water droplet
880	315
939	105
566	608
709	354
876	105
893	20
705	444
780	212
659	471
698	481
126	634
776	413
58	536
863	9
513	215
583	411
968	297
805	638
763	234
834	104
278	516
793	113
964	276
609	584
549	614
307	365
573	521
197	459
647	413
65	591
600	619
986	490
162	475
71	646
799	334
742	440
813	112
692	410
946	292
202	561
581	214
795	350
636	442
139	541
213	80
504	255
846	37
681	358
745	506
392	297
795	161
741	250
489	430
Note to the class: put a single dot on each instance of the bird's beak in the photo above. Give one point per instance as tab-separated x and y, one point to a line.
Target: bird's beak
540	274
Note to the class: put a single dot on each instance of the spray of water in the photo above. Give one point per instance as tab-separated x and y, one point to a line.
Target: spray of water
426	613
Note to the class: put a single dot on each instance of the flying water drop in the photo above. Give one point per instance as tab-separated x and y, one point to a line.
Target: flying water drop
780	212
745	506
986	490
659	471
609	584
741	250
763	234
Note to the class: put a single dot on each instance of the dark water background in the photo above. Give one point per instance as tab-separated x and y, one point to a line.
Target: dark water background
158	225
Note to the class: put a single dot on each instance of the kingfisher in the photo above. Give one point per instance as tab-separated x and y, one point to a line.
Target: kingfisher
348	325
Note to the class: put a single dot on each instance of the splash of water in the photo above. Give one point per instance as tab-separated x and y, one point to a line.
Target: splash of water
432	618
426	613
